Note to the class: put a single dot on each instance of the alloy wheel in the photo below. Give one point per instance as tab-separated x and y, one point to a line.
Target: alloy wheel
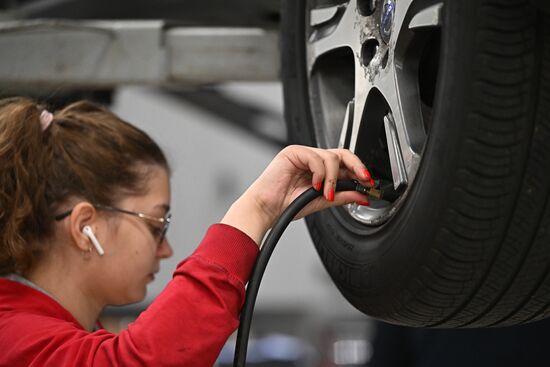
372	68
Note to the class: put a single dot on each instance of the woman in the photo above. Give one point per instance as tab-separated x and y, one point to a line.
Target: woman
85	201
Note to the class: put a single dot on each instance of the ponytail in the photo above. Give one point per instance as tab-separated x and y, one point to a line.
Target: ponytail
24	161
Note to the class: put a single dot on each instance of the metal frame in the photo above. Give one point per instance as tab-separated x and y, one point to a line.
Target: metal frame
98	54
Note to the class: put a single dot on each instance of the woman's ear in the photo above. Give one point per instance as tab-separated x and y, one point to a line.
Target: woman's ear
83	214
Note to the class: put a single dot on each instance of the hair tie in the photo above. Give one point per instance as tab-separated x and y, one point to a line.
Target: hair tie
46	119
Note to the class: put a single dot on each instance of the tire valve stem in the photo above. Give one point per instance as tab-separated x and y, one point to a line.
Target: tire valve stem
371	192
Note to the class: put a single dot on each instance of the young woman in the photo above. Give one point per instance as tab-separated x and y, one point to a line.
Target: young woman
84	209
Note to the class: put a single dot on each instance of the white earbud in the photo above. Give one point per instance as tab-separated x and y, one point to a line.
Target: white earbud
87	230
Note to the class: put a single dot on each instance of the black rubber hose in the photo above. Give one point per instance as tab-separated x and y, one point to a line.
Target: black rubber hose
267	249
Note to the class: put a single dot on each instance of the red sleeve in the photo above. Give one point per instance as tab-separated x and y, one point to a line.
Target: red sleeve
186	325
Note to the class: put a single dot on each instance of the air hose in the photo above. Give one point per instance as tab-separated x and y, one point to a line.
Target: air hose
267	249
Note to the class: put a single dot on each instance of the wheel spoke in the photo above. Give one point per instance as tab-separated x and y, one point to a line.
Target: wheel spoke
397	162
406	120
345	134
336	32
363	86
401	11
405	130
429	17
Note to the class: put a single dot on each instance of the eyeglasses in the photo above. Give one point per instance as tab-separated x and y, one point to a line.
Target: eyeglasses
158	233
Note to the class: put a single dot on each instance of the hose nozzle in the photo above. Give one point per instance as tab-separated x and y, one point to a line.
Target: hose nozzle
371	192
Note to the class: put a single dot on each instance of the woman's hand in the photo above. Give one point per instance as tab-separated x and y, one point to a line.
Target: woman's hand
294	170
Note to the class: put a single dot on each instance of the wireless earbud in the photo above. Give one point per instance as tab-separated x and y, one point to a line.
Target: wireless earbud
87	230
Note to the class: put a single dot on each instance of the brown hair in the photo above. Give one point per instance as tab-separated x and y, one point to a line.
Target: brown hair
86	152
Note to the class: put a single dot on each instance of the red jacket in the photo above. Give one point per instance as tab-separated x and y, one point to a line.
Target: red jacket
186	325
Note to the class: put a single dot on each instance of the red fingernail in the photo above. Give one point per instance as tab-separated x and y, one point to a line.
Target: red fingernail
317	186
363	203
367	174
330	195
372	183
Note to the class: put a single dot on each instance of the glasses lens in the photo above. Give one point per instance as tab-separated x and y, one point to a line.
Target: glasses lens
165	229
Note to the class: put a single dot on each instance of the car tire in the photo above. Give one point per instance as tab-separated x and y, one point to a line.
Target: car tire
466	242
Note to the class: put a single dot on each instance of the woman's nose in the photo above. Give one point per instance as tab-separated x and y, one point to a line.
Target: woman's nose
165	250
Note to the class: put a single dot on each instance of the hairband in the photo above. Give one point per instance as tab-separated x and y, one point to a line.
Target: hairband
46	119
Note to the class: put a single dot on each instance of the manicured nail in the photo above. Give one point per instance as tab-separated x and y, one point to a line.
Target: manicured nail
362	203
372	183
367	174
330	195
317	186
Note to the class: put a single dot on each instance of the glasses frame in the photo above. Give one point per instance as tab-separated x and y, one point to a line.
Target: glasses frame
164	220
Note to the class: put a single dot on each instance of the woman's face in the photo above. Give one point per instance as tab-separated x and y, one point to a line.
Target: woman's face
131	244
